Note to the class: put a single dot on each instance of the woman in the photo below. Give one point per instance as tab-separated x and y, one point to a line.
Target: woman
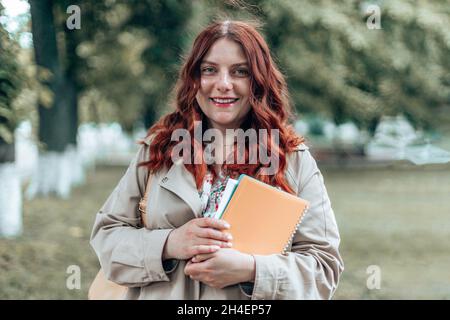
228	81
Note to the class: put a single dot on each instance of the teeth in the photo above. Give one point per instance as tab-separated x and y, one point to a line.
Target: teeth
224	100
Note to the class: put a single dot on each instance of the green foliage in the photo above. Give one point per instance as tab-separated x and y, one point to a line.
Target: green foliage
338	67
10	86
131	58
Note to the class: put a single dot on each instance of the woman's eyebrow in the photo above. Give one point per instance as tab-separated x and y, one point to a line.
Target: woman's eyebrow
233	65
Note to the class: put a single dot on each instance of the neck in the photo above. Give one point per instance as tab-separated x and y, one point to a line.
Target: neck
227	137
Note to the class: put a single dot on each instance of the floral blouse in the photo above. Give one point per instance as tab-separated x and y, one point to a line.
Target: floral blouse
211	193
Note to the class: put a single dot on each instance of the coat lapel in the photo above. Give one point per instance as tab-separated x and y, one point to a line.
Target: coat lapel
181	182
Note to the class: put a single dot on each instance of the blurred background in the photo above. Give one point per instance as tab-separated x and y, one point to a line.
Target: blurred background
81	81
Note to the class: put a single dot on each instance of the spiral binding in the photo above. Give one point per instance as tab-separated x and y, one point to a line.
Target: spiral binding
288	244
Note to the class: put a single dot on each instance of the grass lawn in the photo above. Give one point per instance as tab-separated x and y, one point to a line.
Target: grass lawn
399	220
56	236
396	218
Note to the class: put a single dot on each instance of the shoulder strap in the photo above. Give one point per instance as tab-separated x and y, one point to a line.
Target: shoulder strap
143	202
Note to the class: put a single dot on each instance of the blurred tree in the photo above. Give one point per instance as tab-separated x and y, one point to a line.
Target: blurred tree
70	64
165	22
57	106
113	76
53	111
338	67
416	46
11	82
132	59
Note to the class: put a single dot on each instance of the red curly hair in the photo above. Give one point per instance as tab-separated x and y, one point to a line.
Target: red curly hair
269	100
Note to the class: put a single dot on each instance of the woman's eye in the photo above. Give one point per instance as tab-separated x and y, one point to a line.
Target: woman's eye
242	72
208	70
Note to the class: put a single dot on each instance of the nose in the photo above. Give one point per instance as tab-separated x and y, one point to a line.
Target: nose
224	83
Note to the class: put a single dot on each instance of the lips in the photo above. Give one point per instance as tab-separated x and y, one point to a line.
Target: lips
224	102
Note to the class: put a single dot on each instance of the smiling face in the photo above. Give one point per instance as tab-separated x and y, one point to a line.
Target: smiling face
224	90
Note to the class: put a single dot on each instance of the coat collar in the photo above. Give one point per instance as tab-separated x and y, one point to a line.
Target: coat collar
181	182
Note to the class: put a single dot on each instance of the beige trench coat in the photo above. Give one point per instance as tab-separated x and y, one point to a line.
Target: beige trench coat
131	255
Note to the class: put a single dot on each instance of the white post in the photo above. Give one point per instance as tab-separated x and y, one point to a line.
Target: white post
10	201
53	175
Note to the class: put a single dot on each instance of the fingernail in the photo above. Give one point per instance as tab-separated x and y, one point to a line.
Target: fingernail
226	225
229	244
229	237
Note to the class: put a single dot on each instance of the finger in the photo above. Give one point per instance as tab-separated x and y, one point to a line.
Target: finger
189	262
197	278
210	242
192	271
189	269
213	223
211	233
200	249
192	268
202	257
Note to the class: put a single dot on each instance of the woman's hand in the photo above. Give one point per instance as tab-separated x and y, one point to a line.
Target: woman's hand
197	236
222	268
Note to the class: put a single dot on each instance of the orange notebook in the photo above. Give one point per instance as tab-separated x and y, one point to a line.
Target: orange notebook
263	219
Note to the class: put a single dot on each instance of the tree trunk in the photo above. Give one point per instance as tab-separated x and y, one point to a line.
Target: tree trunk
72	99
58	122
77	165
7	152
53	129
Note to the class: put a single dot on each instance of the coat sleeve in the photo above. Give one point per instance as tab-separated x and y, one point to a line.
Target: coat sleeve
129	254
312	268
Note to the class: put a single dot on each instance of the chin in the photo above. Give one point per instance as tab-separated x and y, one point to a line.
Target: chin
224	123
